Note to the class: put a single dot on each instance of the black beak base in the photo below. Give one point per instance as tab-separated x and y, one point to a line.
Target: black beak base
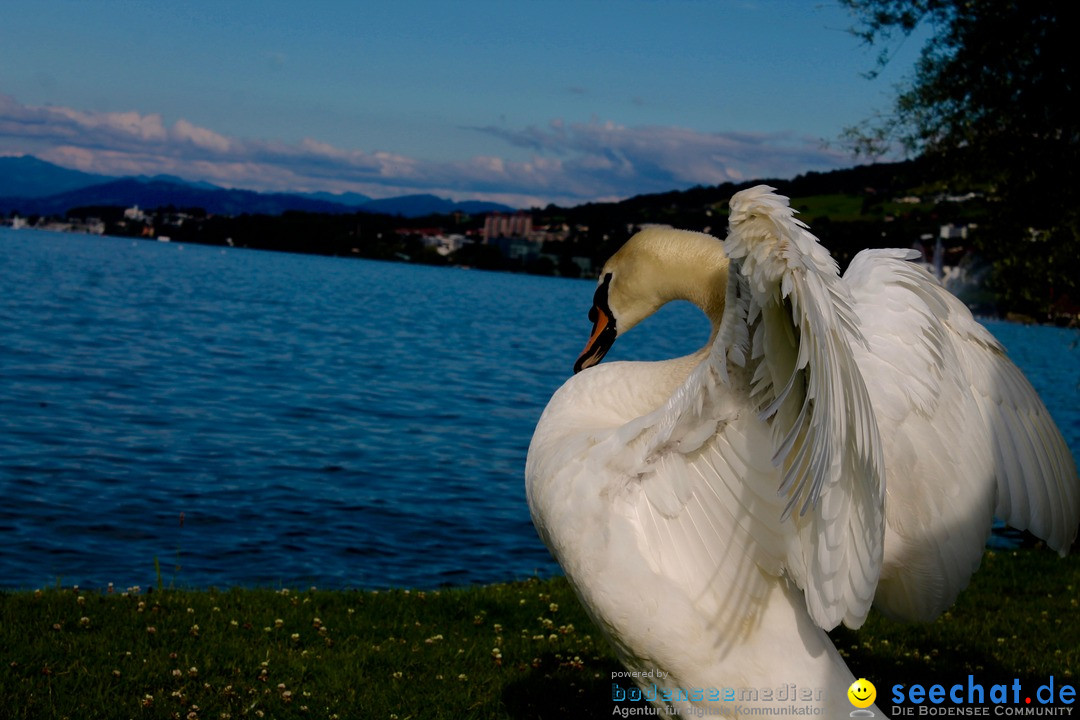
604	331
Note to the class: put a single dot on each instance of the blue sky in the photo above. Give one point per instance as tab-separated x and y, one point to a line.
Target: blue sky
525	102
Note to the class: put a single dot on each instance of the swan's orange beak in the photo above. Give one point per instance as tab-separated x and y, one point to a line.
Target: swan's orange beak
603	331
601	340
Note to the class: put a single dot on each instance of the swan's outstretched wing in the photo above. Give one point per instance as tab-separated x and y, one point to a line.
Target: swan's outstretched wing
825	436
775	416
964	435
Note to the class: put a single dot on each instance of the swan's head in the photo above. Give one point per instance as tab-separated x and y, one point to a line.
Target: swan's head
654	267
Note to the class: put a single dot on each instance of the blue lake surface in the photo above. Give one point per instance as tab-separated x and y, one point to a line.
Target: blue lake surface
325	421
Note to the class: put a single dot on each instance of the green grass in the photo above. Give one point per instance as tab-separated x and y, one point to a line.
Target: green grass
848	208
518	650
835	207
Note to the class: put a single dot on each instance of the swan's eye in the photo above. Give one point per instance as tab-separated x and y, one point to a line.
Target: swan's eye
600	298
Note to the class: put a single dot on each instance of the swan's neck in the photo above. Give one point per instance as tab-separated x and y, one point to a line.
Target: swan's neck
701	278
702	282
687	266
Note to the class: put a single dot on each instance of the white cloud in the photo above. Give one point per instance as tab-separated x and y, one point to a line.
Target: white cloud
184	131
570	163
142	128
654	158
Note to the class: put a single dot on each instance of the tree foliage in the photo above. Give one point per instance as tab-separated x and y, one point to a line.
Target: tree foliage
993	100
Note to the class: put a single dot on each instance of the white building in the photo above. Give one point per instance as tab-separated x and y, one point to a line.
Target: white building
135	214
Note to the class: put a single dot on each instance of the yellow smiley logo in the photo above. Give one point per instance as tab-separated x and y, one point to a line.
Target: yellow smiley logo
862	693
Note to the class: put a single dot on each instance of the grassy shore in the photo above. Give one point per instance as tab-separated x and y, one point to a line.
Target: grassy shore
517	650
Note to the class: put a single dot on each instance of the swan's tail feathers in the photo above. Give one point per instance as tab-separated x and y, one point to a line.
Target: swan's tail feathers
800	326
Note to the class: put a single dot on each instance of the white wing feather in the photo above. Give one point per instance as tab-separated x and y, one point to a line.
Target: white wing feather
782	348
964	435
825	436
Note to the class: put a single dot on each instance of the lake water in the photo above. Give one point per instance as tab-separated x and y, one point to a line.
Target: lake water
325	421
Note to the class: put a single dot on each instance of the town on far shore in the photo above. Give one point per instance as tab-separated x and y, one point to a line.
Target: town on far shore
884	205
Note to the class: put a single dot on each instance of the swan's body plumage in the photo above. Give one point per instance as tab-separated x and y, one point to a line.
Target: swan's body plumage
839	442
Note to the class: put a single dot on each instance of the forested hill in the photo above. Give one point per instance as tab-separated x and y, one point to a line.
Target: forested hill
849	209
877	180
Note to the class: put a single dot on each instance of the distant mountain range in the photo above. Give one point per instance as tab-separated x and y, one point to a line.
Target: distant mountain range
31	186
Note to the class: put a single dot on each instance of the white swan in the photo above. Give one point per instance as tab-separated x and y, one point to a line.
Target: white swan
716	513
